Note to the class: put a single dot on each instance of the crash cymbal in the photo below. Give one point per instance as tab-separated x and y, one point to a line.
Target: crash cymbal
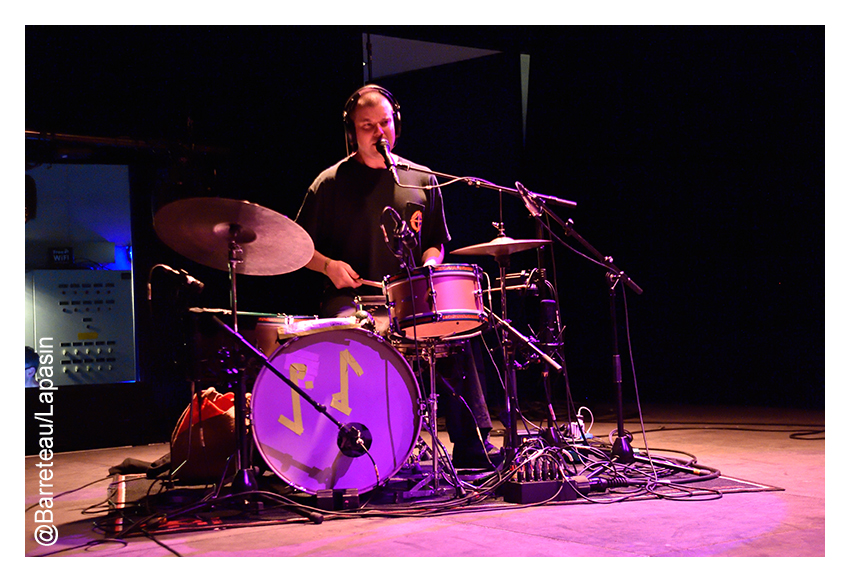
202	229
499	246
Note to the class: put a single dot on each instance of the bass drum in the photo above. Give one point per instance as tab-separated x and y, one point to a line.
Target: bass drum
362	381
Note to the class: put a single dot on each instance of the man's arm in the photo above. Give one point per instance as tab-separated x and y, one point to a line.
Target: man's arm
433	256
339	272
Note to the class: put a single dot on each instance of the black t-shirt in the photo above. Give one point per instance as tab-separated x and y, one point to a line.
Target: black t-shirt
344	208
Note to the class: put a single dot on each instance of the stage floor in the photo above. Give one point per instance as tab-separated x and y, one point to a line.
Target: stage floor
784	449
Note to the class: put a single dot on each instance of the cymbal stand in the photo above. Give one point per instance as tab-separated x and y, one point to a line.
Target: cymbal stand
509	358
621	447
245	480
511	444
509	351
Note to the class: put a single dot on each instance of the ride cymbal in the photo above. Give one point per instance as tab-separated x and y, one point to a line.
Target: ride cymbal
203	229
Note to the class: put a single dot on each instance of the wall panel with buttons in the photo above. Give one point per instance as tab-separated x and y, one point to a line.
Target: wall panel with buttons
84	320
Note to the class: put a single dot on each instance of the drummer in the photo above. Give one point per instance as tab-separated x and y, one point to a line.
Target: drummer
354	212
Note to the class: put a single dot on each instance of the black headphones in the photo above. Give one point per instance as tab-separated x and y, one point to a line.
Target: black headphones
351	105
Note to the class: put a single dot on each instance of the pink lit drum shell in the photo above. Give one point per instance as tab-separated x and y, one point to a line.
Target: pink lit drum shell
456	308
361	379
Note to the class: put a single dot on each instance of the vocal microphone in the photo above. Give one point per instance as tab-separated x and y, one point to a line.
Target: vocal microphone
529	200
383	147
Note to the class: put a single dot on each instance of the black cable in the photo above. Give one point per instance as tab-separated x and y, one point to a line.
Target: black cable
153	538
639	483
795	434
86	546
34	505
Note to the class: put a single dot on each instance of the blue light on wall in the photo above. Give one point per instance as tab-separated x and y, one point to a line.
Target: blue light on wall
123	259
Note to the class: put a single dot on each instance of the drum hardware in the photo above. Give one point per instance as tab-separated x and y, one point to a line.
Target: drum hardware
521	288
353	440
501	248
212	231
404	239
529	281
235	236
526	341
439	300
358	375
621	447
523	275
437	476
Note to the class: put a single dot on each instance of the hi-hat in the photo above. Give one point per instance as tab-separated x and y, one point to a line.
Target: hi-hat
203	230
500	246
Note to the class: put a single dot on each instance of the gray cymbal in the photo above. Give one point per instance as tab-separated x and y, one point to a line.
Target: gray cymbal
503	245
202	230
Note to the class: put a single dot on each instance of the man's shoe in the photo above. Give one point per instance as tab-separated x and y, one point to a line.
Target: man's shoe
463	458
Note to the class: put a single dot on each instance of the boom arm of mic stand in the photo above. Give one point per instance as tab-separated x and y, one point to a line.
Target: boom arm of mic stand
476	182
319	407
607	260
622	445
537	206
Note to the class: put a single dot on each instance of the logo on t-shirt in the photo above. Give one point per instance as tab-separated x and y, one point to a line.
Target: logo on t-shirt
416	221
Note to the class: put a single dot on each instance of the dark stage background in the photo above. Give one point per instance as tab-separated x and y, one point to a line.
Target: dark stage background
695	156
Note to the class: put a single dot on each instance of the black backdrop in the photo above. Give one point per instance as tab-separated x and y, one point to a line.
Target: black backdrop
696	157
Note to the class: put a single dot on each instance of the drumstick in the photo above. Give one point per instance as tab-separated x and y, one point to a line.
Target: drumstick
371	283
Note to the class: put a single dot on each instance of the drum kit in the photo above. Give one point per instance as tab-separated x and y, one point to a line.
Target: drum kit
334	405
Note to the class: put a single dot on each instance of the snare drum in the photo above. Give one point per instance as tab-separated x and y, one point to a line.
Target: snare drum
440	300
361	380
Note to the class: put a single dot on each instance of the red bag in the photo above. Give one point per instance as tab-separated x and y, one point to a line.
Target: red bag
207	456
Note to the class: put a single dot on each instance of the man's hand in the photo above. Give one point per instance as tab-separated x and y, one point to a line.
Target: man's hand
341	274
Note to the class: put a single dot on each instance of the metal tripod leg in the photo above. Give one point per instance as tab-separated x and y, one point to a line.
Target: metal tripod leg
431	484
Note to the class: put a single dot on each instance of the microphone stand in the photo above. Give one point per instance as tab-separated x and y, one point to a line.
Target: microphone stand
621	448
353	440
537	206
509	353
